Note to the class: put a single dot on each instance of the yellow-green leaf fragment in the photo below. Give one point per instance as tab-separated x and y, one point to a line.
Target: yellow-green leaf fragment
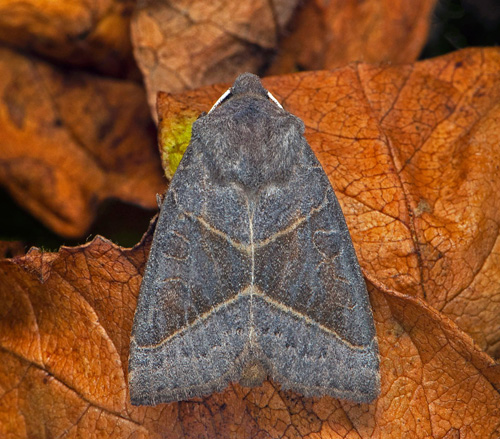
173	138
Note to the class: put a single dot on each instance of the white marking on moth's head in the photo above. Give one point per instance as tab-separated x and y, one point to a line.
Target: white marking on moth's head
224	96
274	99
228	92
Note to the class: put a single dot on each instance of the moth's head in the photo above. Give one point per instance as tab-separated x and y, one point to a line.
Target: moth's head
246	85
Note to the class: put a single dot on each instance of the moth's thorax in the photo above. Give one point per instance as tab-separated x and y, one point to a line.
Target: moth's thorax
250	141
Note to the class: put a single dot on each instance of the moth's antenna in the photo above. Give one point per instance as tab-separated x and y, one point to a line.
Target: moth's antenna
274	99
224	96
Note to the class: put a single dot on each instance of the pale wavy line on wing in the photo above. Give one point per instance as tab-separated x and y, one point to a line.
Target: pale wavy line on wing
249	290
247	248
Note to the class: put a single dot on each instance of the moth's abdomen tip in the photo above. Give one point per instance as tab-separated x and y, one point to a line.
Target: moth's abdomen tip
253	374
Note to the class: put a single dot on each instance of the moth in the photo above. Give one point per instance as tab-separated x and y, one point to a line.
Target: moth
252	273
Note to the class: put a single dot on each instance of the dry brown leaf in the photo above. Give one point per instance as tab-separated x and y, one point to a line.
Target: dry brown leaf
411	153
84	33
186	44
328	35
70	140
